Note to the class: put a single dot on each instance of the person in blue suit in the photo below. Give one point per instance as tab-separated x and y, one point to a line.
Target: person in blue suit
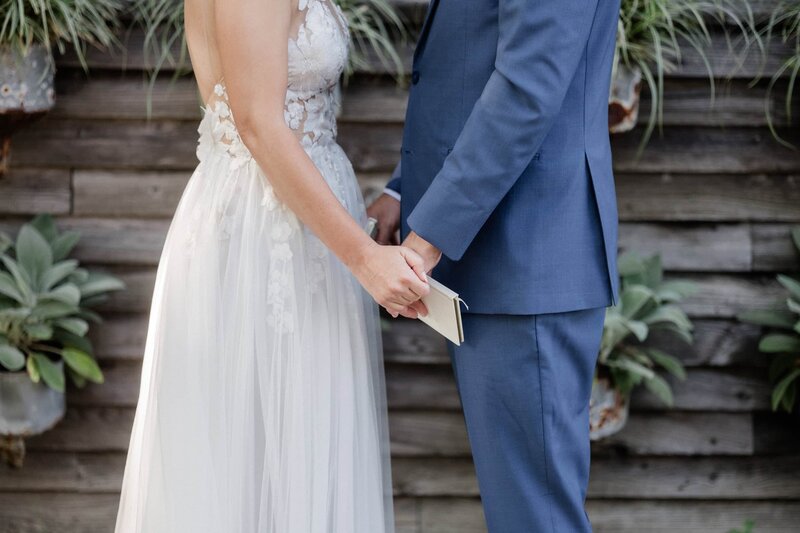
505	186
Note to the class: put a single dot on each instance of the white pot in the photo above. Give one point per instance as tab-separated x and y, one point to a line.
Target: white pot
26	409
608	409
623	100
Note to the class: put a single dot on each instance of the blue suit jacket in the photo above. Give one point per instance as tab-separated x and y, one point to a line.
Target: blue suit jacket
506	161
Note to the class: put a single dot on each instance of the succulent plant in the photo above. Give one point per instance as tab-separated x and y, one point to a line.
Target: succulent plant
783	339
45	306
647	303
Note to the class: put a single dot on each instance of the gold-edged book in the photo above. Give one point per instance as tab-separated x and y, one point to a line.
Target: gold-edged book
444	312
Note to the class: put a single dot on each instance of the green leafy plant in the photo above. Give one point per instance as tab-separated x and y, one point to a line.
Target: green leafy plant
785	22
45	306
375	26
653	34
58	23
783	340
647	303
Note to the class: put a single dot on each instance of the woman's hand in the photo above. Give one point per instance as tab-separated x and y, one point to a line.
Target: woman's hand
395	277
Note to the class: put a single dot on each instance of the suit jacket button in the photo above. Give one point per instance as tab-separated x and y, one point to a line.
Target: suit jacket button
415	77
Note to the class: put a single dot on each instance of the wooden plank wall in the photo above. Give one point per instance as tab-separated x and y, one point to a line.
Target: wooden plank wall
715	195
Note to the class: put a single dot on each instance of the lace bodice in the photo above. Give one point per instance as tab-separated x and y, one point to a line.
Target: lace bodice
318	48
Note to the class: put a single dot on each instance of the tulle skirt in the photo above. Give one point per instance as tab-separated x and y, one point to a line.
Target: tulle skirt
262	403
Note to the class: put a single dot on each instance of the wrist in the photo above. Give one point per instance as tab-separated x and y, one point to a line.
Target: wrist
358	253
420	245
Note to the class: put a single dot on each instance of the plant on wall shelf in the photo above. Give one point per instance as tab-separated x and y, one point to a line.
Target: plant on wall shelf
59	24
647	303
783	340
375	28
652	39
29	32
46	302
785	22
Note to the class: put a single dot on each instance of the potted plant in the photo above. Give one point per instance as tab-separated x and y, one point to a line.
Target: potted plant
29	31
375	27
45	311
651	40
647	303
783	341
785	21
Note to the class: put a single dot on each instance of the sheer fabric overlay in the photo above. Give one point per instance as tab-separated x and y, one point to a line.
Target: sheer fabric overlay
262	402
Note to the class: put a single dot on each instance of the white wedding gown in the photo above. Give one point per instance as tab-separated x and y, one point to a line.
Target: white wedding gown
262	403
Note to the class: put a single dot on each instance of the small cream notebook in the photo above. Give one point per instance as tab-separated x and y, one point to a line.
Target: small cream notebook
444	312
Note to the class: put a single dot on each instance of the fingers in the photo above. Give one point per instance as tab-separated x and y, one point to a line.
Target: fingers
409	312
419	283
385	236
394	309
414	310
419	308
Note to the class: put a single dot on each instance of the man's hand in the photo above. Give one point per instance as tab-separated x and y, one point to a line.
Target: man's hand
386	210
430	254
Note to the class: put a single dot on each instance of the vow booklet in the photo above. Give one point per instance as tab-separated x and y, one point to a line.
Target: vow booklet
444	312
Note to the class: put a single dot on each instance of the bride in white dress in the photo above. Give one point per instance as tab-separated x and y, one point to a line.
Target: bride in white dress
262	405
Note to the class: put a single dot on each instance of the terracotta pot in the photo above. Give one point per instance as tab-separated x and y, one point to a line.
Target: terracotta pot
623	101
26	409
608	409
26	92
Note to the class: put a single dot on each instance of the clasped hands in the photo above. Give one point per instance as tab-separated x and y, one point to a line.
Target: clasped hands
396	276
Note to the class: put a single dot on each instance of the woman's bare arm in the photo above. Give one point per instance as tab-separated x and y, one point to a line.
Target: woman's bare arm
253	44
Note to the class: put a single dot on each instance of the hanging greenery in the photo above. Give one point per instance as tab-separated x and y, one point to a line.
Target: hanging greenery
784	24
376	28
59	24
654	35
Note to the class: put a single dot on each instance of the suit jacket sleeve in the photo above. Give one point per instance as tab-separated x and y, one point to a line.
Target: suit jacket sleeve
540	46
394	183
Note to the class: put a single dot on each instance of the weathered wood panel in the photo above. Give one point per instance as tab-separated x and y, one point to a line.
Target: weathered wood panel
716	295
426	433
720	247
717	342
32	512
432	387
375	147
141	194
24	191
773	248
438	515
641	197
95	513
444	434
691	198
757	478
761	478
688	102
134	241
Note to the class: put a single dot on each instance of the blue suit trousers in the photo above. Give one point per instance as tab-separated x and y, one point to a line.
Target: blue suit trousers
525	383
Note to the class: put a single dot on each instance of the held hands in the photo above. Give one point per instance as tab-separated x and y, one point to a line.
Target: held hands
429	253
419	254
395	277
